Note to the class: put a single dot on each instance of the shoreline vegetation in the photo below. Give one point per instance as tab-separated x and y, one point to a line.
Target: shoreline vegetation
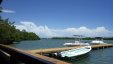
85	38
9	34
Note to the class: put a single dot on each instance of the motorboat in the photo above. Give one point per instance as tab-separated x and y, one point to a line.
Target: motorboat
98	40
76	43
75	52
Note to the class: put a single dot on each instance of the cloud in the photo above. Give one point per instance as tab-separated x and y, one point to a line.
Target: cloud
42	31
99	31
45	32
8	11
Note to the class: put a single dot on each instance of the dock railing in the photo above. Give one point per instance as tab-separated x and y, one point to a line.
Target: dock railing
9	55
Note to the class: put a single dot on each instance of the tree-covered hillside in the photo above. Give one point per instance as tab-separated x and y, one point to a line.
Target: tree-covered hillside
9	34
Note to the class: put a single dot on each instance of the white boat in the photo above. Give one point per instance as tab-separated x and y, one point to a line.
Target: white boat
76	43
75	52
98	40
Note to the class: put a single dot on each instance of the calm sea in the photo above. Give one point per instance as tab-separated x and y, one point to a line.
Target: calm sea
101	56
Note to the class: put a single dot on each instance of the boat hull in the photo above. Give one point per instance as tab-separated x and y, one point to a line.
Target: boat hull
76	52
76	44
97	42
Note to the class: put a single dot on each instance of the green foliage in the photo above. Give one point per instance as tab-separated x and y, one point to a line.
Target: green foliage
110	38
63	38
9	34
88	38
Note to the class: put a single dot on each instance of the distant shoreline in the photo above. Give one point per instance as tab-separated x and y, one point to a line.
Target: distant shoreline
87	38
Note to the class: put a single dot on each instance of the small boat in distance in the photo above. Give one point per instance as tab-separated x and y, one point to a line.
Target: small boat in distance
75	52
76	43
98	40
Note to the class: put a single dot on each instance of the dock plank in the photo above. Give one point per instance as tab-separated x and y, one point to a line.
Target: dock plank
37	52
53	60
51	50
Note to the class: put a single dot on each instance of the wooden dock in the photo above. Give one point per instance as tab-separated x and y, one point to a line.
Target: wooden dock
52	50
36	57
53	60
10	55
40	52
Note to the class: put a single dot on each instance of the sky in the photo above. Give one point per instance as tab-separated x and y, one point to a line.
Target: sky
61	18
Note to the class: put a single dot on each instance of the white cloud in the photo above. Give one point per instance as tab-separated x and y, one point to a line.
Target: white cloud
44	31
8	11
99	31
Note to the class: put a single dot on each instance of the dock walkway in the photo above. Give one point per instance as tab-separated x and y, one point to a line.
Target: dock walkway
35	56
11	55
52	50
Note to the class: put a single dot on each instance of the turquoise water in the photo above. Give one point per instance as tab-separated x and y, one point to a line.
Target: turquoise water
101	56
